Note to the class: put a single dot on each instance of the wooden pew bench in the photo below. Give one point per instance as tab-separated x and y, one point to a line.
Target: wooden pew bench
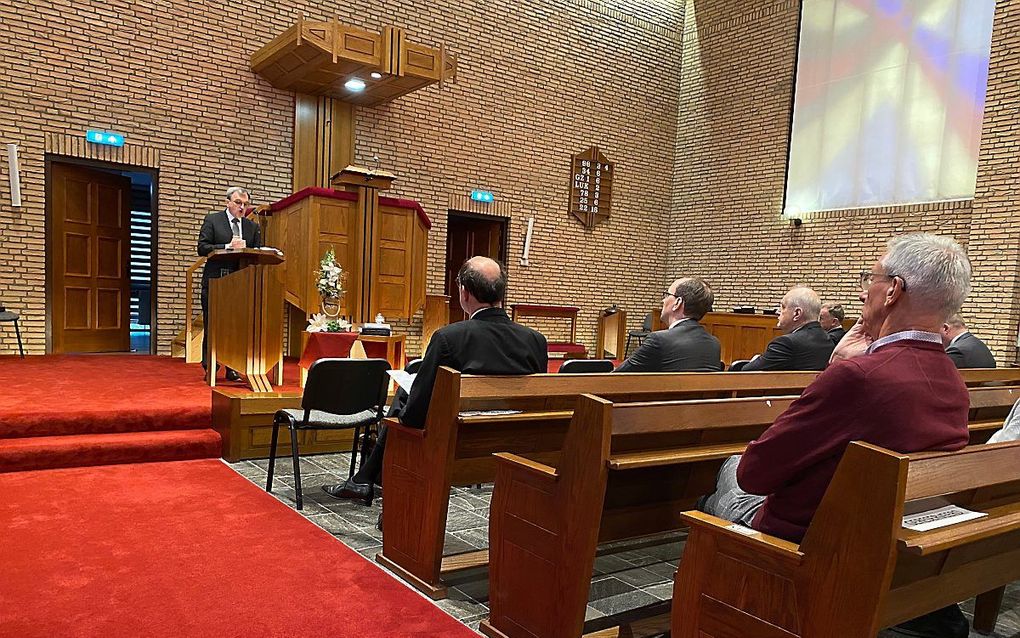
858	570
421	466
456	451
626	470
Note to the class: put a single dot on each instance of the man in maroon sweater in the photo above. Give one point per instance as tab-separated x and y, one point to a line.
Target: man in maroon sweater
890	383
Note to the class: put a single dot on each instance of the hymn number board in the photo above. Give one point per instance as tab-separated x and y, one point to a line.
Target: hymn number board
591	185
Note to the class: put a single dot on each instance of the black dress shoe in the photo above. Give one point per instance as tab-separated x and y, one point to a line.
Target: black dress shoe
363	492
232	375
948	622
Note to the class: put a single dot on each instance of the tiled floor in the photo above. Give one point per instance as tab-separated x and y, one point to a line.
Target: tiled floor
626	575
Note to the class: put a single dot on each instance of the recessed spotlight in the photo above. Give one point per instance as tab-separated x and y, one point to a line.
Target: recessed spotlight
376	75
355	85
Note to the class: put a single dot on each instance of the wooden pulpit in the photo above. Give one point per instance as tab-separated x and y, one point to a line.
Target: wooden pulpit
611	335
246	317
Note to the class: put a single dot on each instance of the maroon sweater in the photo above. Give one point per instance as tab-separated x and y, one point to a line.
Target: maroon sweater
906	396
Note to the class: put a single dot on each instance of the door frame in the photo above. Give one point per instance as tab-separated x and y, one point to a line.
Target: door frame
153	173
504	244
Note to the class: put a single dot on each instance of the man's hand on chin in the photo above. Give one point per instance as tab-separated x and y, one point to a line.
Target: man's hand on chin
854	343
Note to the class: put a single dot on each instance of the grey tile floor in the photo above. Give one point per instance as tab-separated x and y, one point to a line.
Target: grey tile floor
626	575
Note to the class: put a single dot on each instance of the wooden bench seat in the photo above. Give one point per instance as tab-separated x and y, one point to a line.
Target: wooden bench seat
421	466
656	459
858	570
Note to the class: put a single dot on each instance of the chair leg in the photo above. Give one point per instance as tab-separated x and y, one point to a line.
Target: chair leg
354	452
17	331
272	455
626	348
297	467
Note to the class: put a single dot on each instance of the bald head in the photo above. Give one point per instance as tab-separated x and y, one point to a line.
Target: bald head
799	306
483	280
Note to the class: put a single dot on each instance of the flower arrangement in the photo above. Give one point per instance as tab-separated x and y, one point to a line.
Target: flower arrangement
323	323
330	282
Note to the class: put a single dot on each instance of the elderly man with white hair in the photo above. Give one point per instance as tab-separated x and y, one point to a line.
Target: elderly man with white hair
890	384
804	345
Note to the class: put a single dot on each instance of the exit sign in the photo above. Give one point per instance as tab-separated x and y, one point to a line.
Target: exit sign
105	138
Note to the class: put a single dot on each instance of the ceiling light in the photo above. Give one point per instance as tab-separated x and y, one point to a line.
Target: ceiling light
355	85
376	75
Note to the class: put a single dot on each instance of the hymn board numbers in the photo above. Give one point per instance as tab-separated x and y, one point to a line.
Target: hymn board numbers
591	185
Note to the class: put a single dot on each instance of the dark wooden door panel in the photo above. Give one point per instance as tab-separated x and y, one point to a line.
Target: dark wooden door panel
469	237
89	245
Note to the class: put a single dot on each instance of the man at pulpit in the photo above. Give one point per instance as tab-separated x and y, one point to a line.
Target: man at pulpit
228	228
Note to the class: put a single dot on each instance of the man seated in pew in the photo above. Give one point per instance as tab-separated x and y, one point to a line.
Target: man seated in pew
804	345
685	346
487	343
831	320
965	349
889	384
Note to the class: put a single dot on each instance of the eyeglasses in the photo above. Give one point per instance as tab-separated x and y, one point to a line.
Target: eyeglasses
868	278
238	202
666	293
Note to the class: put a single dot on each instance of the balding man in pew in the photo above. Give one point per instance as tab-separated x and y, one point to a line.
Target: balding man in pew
487	343
890	384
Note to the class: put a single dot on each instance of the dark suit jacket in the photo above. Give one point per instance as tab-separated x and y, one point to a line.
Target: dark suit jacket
836	334
807	348
489	343
215	234
686	347
970	352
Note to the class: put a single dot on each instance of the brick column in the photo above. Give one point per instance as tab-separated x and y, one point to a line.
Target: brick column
993	308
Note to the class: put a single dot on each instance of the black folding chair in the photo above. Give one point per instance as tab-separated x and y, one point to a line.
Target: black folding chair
6	315
574	366
339	394
646	329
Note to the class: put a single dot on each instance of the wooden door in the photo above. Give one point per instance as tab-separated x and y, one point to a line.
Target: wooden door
89	245
469	236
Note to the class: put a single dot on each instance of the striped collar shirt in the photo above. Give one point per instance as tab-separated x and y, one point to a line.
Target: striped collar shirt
912	335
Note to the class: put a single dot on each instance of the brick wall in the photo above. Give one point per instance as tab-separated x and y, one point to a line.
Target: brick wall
736	97
539	80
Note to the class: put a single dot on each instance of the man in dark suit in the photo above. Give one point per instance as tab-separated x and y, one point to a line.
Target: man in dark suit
831	319
225	229
805	346
487	343
965	349
685	345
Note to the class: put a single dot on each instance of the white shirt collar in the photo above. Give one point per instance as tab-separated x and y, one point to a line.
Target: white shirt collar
957	338
903	335
678	321
479	310
229	216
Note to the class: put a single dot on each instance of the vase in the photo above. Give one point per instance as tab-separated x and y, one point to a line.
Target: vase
331	307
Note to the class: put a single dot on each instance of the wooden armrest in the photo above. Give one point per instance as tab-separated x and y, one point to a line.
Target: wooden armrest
772	545
1000	520
516	418
674	456
395	424
532	467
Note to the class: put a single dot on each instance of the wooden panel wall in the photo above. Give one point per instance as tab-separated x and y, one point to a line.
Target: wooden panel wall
323	139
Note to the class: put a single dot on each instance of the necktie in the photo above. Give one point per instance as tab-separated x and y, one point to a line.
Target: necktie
237	226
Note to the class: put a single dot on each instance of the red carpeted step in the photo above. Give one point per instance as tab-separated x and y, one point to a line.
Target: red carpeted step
43	452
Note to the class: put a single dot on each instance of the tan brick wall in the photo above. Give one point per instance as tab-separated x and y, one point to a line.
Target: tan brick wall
539	80
736	97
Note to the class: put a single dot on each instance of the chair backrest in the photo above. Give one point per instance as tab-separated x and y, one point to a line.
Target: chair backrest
586	366
647	325
346	386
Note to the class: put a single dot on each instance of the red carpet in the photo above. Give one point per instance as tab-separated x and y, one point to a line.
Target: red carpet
72	410
184	549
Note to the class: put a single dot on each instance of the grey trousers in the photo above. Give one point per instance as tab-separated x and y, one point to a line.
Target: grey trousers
729	502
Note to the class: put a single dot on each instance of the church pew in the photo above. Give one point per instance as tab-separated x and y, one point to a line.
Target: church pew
858	570
454	450
626	471
420	466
